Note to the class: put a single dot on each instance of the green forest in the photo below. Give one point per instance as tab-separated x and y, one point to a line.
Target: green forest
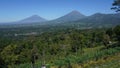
61	48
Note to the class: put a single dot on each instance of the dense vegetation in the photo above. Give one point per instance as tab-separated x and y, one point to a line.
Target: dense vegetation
60	48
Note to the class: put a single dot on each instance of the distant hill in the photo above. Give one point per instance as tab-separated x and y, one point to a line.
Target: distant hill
97	20
32	19
102	19
72	19
72	16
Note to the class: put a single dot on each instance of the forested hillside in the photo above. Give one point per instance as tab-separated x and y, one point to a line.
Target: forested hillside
60	48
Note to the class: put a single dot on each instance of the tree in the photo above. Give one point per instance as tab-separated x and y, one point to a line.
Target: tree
110	32
34	55
99	36
116	5
117	32
106	40
2	63
93	39
9	56
77	41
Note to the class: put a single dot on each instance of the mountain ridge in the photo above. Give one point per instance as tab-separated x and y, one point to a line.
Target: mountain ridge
71	16
74	17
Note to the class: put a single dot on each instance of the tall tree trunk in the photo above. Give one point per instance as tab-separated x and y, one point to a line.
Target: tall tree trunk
33	62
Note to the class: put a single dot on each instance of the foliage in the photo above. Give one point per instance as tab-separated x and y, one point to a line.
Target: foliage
60	47
116	5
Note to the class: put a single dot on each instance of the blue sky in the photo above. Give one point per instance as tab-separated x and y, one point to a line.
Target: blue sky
14	10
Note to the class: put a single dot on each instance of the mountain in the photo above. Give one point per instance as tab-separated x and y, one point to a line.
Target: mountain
101	19
72	16
33	19
97	20
73	19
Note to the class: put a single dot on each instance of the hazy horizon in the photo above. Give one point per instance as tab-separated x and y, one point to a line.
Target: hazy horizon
14	10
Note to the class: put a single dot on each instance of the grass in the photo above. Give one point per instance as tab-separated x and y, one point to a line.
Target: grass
91	58
110	62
